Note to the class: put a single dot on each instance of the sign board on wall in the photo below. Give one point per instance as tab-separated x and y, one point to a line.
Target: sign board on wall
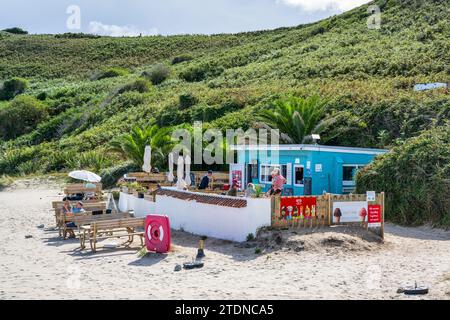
319	167
371	196
298	208
349	211
374	216
237	175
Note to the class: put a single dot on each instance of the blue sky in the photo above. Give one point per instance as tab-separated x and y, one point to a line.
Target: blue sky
132	17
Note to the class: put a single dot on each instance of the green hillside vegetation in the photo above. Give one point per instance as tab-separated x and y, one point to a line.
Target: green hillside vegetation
86	91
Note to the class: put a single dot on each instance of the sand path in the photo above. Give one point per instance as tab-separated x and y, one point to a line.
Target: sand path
46	267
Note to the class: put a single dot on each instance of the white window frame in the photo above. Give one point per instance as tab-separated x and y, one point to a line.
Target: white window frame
350	183
275	166
293	175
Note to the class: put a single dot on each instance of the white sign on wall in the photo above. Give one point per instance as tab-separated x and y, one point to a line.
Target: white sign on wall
350	211
319	167
371	196
288	173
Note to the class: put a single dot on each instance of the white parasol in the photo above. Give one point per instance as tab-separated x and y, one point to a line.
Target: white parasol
85	176
170	176
187	163
147	159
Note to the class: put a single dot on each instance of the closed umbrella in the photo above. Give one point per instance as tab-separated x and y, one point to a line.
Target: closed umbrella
180	173
170	176
187	163
85	176
147	159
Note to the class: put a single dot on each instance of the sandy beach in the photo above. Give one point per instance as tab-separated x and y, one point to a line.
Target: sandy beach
329	263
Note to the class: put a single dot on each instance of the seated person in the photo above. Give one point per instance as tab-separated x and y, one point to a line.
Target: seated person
233	192
74	197
70	225
90	195
250	192
205	181
67	208
155	170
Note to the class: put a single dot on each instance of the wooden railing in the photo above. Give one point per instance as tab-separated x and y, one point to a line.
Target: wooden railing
296	216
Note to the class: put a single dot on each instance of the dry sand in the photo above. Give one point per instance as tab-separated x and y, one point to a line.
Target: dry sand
326	264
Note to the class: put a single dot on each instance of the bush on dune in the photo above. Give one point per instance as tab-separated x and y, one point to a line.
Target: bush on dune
21	116
415	177
109	73
13	87
157	74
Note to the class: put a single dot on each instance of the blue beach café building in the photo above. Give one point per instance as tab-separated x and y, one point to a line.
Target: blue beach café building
308	169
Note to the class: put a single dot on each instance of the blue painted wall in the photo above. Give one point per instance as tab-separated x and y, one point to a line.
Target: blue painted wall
330	179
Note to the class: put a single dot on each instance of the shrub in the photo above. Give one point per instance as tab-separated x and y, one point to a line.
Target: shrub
414	176
109	73
15	30
157	74
12	158
12	88
42	96
59	160
5	181
140	85
28	167
181	59
79	35
187	101
21	116
111	175
92	160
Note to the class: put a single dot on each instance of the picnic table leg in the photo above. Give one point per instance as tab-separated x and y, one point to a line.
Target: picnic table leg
83	240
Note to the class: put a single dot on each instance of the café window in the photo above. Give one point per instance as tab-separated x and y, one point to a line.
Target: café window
299	175
349	173
266	170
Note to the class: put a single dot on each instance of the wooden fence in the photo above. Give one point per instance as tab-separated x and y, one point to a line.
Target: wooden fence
323	214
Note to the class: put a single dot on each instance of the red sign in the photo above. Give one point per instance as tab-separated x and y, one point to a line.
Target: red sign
236	177
298	208
374	215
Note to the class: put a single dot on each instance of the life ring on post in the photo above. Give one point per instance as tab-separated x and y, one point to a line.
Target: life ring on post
157	233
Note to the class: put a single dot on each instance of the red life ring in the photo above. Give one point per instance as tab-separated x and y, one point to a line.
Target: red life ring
157	233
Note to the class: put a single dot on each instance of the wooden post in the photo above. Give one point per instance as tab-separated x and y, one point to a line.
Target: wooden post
329	209
382	215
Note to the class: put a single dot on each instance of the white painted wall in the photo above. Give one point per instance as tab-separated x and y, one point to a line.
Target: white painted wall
215	221
141	207
225	223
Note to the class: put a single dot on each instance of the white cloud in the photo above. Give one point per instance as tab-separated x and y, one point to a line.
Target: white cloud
112	30
324	5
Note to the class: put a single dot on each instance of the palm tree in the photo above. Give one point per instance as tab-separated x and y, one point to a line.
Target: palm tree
133	144
296	118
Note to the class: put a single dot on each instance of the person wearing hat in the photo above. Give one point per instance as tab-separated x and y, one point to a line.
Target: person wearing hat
205	181
278	182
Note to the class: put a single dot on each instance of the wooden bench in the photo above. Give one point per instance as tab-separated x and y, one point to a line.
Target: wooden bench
80	188
92	206
119	228
86	218
217	181
60	204
148	180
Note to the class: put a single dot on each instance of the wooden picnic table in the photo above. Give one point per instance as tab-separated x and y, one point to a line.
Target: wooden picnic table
86	218
119	228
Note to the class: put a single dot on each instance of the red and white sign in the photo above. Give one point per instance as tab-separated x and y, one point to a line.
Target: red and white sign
298	208
374	215
237	175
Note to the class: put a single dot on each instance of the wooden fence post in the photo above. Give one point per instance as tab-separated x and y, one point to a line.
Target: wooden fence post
382	215
329	209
